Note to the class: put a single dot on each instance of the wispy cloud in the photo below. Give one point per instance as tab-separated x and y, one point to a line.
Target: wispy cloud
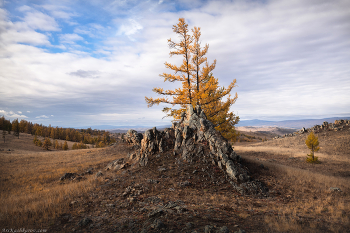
42	116
70	38
38	20
86	73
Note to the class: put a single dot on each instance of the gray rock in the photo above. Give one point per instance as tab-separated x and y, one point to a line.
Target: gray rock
156	213
223	229
184	184
84	222
335	189
98	174
209	229
240	231
189	225
158	224
151	181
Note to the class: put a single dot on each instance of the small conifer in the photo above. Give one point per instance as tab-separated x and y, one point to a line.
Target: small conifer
312	143
47	143
65	145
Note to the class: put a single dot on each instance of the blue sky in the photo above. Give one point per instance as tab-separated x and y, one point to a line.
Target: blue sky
81	63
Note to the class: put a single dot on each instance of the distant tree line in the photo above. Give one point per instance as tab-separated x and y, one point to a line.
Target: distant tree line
99	138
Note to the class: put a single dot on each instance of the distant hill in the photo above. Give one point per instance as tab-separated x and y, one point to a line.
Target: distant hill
294	124
122	129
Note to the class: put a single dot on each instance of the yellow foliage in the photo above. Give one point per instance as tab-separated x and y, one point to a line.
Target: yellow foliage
312	143
198	84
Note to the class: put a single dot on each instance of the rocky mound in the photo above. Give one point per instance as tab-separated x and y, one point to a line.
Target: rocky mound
194	140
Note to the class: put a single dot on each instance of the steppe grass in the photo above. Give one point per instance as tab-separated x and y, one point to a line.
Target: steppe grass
31	193
310	200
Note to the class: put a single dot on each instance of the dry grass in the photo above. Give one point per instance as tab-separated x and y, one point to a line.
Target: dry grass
31	192
307	202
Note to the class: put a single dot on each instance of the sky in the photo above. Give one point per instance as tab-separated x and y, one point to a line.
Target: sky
74	63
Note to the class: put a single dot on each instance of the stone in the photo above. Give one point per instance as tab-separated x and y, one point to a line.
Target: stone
98	174
223	229
84	222
184	184
335	189
156	213
151	181
132	137
240	231
189	225
209	229
158	224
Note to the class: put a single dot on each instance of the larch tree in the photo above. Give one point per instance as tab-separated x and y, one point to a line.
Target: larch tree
15	127
183	73
313	144
47	143
198	85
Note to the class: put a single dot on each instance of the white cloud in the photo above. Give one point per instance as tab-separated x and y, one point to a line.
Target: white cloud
40	21
28	111
19	112
12	114
42	116
130	28
70	38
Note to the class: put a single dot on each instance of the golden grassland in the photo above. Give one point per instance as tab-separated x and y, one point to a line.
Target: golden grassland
306	186
30	188
32	195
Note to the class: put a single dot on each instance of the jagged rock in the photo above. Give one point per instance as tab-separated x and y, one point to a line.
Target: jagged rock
115	165
133	137
193	138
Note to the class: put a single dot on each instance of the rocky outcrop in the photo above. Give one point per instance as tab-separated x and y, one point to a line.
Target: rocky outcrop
132	137
194	139
338	125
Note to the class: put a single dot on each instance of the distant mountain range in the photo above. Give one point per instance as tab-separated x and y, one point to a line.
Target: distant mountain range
123	129
294	124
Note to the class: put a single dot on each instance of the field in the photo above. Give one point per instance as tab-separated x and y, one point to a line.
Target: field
302	197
